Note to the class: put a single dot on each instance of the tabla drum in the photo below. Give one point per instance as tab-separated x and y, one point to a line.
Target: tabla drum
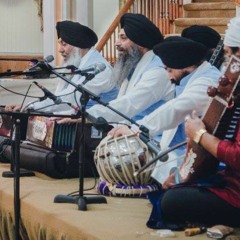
117	159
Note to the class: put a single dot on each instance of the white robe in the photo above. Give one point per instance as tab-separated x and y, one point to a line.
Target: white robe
148	84
168	116
101	83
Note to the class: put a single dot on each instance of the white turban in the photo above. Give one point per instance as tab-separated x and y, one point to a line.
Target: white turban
232	34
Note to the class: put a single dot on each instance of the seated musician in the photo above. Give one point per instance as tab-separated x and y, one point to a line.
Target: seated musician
139	73
84	39
217	203
192	76
212	202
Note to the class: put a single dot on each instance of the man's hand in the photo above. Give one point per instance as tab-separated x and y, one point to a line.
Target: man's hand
193	124
120	131
169	182
61	120
13	107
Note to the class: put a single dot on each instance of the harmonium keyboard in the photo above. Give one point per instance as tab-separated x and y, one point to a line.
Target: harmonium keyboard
48	133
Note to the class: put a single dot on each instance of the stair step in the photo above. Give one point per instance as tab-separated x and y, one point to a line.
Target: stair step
219	24
210	10
207	1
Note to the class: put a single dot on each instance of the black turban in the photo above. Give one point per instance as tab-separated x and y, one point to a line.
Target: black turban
140	30
178	52
75	34
203	34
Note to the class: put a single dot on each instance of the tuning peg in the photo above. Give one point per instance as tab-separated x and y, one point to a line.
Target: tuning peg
224	81
212	91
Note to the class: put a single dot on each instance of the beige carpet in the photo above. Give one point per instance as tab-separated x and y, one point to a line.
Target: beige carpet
41	218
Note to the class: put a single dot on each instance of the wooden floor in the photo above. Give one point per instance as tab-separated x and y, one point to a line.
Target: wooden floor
42	219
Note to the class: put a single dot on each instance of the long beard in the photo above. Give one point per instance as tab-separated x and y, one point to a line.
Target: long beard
125	64
177	81
74	58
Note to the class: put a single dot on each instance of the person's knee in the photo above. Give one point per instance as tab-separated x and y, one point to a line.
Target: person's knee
168	201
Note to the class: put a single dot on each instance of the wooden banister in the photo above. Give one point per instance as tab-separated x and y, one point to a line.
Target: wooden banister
114	25
161	12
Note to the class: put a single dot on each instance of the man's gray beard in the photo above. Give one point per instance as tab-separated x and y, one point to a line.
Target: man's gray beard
125	64
74	58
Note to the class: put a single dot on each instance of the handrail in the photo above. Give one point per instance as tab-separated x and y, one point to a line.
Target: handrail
161	12
114	25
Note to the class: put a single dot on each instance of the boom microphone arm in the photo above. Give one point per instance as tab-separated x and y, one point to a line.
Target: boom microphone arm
160	156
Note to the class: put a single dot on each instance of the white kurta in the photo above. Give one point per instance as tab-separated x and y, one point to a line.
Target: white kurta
148	84
193	97
101	83
167	117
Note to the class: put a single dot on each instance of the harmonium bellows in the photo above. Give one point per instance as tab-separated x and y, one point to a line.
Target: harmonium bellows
47	133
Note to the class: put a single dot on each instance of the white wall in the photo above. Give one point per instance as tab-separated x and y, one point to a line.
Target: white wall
20	27
104	12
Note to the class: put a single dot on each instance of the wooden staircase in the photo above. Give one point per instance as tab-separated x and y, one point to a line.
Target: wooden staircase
212	13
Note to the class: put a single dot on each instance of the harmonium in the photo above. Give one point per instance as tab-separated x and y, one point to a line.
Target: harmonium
49	134
5	125
7	122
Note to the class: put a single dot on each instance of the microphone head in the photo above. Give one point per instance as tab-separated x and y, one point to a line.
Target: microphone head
58	100
99	67
49	58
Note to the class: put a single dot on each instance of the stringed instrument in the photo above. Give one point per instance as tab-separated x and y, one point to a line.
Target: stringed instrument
220	119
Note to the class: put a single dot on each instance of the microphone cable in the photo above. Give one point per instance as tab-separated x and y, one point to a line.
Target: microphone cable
17	93
25	96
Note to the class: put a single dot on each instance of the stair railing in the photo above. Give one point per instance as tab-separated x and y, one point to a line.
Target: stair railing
161	12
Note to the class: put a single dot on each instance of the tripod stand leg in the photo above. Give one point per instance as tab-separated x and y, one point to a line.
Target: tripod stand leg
82	204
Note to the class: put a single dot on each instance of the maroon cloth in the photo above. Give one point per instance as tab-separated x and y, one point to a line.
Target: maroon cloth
229	153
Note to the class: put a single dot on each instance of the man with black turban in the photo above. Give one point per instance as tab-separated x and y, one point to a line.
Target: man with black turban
82	39
143	81
183	59
186	203
138	71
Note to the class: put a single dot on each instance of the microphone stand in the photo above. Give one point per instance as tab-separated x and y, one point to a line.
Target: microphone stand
19	73
82	200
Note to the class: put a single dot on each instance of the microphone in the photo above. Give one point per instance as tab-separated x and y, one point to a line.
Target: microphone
43	64
93	69
50	95
152	146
